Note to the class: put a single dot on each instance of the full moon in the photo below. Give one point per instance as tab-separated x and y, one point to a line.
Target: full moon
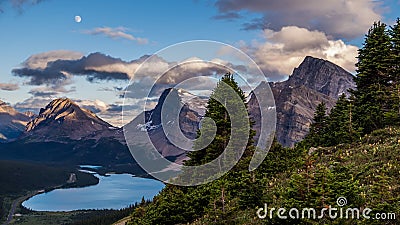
78	19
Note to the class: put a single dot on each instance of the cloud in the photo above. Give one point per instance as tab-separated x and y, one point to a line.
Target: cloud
56	71
116	33
47	91
9	86
228	16
95	106
112	113
195	67
33	104
340	19
39	93
280	52
56	68
199	84
40	69
40	61
19	4
169	74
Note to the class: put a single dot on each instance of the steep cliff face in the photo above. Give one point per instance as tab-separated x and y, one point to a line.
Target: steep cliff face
295	111
313	82
322	76
190	110
12	123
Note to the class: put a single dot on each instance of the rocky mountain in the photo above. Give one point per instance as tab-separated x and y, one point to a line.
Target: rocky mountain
322	76
149	123
64	133
63	119
12	123
314	81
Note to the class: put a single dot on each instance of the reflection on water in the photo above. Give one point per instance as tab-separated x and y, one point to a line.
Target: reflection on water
115	191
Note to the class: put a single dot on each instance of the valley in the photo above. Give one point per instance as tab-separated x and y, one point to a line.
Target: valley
64	135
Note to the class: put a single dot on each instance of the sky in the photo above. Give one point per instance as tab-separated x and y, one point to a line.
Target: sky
48	52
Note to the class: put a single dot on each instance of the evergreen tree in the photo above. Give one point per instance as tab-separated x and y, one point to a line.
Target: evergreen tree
393	116
373	79
340	125
216	110
317	129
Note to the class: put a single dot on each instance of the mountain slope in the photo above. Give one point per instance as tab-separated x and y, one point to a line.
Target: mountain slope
64	119
63	133
365	173
322	76
12	123
149	123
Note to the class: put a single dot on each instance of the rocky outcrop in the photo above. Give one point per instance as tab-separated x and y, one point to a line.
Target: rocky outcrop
12	123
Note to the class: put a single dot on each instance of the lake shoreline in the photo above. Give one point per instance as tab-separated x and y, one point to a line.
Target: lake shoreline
117	191
20	200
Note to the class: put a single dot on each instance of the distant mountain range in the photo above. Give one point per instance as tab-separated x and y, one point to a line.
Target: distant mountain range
64	133
12	123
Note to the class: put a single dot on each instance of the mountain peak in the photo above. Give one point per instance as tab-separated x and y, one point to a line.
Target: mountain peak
12	123
314	81
62	101
59	104
64	118
323	76
5	108
312	58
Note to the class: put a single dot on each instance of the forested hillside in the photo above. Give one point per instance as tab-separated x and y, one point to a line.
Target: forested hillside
352	153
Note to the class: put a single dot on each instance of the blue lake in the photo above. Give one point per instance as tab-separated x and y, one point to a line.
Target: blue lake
115	191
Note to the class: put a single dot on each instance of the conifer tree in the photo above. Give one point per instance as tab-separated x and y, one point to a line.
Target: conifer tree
373	79
217	111
340	125
317	129
393	116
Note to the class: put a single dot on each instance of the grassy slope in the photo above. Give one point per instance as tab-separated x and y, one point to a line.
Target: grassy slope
367	173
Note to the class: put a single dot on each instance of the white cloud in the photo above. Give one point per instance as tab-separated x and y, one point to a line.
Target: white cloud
116	33
33	104
340	19
282	51
19	4
9	86
40	61
95	106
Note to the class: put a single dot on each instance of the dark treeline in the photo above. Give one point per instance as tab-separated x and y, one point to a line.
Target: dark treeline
106	216
3	210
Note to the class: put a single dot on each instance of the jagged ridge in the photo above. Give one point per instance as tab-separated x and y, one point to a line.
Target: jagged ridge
314	81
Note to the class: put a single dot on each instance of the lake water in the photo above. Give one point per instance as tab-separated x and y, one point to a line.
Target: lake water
115	191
